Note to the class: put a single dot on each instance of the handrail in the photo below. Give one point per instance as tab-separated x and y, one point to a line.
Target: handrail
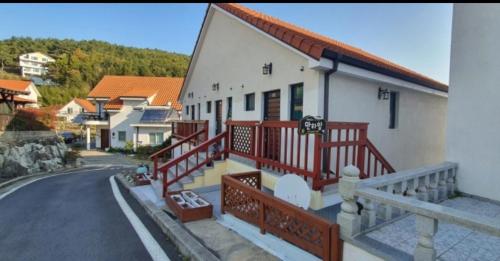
203	147
161	152
440	212
378	156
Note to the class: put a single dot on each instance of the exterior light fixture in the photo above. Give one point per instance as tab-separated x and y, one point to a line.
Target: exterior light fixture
301	68
267	68
383	94
215	87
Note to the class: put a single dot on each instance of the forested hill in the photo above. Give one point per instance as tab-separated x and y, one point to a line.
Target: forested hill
81	64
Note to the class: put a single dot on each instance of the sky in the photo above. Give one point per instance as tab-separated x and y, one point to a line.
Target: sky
416	36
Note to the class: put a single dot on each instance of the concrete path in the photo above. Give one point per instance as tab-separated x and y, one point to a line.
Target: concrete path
452	242
75	217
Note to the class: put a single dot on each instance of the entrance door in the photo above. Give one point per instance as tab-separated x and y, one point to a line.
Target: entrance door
218	117
272	136
272	106
104	138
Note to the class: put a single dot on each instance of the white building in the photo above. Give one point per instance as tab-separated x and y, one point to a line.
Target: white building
473	108
34	63
30	99
134	110
249	66
75	110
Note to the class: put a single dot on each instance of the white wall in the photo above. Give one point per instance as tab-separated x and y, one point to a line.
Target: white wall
120	121
75	116
224	58
419	138
473	123
33	95
145	131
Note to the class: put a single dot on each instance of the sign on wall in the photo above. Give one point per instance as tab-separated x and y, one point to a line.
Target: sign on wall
310	124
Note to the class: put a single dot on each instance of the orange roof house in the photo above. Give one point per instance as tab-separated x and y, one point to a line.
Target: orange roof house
161	90
88	106
19	91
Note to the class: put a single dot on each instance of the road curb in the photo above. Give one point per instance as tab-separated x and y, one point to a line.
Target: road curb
187	244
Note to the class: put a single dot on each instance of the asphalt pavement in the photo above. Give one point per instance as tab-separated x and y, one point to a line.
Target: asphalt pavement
74	217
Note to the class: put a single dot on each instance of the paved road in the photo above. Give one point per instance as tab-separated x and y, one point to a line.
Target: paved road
73	217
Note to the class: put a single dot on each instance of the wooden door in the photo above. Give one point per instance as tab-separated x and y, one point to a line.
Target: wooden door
104	138
218	117
272	136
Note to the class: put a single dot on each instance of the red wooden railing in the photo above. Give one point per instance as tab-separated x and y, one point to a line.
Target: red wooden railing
195	155
192	139
242	197
277	145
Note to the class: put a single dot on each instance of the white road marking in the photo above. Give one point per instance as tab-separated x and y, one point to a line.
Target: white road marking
154	249
35	180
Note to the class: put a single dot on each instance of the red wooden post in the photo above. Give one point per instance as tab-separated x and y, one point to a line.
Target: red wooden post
317	162
226	144
360	162
259	145
262	220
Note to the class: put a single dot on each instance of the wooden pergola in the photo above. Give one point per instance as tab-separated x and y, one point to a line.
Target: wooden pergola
7	94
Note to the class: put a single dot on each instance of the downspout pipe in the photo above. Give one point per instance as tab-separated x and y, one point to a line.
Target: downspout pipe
326	101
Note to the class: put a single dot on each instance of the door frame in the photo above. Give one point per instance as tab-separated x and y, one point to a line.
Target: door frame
264	102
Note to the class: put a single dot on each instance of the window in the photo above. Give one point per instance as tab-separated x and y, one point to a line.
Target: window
297	99
199	111
187	110
250	102
34	58
209	106
70	110
122	136
192	112
156	138
82	110
393	110
44	59
229	108
36	69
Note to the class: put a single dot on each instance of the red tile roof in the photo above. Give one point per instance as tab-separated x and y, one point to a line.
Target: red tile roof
314	45
164	90
87	105
15	85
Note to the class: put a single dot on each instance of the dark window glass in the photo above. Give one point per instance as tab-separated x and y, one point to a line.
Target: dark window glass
229	108
297	98
209	106
250	102
393	108
187	110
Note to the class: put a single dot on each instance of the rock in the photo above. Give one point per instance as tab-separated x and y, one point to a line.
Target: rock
14	168
1	160
50	165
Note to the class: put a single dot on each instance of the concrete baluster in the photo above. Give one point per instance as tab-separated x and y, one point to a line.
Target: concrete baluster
388	208
426	229
443	193
348	219
412	189
368	214
450	182
422	188
433	187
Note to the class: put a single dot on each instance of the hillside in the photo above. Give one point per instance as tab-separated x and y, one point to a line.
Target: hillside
81	64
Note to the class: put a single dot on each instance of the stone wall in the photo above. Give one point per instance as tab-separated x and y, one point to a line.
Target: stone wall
29	156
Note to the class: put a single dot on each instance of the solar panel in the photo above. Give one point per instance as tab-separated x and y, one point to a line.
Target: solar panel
154	116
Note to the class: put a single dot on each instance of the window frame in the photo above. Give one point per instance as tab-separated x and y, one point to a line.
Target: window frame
124	136
209	106
393	110
293	99
247	103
